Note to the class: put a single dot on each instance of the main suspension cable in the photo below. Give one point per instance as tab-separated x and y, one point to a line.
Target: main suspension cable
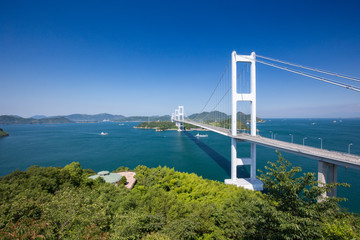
312	69
350	87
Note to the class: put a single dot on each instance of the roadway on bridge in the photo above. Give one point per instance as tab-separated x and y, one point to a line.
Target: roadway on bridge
338	158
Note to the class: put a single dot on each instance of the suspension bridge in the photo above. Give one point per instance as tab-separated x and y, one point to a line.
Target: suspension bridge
236	88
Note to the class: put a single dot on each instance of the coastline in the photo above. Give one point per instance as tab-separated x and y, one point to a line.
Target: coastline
156	129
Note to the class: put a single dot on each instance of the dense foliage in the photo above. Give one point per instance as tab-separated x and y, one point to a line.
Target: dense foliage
158	125
299	199
213	116
62	203
189	126
163	125
227	125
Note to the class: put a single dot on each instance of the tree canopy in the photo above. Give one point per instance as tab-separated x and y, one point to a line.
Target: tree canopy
63	203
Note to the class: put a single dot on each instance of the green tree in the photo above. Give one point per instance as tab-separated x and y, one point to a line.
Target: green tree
76	173
297	194
121	169
301	209
123	180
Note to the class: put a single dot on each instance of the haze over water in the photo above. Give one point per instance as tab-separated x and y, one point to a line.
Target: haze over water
58	145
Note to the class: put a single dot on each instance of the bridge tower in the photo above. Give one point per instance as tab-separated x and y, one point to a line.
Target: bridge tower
179	116
249	183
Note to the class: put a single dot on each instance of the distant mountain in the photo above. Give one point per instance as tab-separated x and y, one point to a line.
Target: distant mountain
216	115
41	119
6	119
208	116
242	117
114	118
53	120
39	116
145	118
94	118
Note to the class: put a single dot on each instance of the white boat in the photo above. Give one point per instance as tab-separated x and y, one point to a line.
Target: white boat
103	133
199	135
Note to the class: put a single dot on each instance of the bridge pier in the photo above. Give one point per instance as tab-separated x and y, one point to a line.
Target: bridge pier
327	173
251	183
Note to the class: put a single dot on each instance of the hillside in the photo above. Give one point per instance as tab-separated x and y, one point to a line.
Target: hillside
227	125
114	118
62	203
208	116
145	118
94	118
157	125
39	116
106	116
212	116
6	119
246	118
53	120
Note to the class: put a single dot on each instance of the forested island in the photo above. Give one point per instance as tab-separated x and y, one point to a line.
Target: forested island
3	133
167	125
63	203
164	125
212	116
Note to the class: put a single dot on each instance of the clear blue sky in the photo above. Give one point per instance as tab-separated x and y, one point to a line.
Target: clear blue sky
147	57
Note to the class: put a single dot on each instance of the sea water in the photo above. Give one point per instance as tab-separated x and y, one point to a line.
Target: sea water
209	157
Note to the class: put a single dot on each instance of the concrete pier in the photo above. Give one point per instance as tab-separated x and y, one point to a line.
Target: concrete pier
327	173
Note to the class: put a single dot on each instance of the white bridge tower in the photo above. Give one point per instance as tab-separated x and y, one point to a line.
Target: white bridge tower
179	116
249	183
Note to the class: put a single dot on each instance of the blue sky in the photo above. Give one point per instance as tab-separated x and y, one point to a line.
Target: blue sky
147	57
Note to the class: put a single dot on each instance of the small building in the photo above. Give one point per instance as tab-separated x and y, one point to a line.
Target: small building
108	176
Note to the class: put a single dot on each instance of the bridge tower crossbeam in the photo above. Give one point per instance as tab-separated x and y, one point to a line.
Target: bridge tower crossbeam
249	183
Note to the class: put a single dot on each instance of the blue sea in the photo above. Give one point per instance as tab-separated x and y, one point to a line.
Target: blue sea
61	144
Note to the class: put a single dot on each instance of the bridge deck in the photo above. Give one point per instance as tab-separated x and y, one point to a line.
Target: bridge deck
338	158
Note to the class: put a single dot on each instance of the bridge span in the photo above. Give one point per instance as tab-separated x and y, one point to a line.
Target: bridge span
332	157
